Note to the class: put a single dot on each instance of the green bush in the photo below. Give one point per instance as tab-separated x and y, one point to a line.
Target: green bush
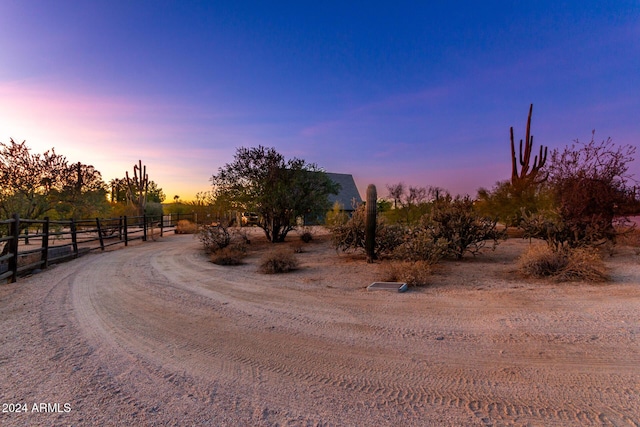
350	236
455	221
336	216
420	245
153	209
508	203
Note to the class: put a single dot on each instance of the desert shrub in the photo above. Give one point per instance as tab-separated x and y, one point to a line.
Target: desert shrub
547	226
455	221
230	255
560	232
412	273
186	227
584	264
239	235
630	237
336	216
350	236
410	203
508	202
153	209
278	261
305	233
388	237
214	237
565	264
590	186
420	245
542	261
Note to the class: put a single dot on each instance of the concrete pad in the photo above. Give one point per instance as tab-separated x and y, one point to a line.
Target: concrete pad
388	286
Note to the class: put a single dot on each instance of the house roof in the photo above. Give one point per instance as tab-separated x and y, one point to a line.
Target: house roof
348	190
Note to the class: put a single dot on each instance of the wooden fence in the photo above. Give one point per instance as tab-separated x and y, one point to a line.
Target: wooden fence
58	241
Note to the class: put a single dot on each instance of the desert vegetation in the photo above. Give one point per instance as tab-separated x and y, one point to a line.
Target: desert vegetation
261	180
569	264
576	202
573	199
449	227
487	311
39	185
279	260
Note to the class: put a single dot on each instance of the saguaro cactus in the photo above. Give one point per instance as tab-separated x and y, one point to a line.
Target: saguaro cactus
137	187
370	223
527	176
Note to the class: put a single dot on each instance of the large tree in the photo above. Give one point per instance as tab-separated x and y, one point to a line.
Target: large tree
261	180
35	185
84	194
29	183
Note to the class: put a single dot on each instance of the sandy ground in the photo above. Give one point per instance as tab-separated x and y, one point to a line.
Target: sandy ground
154	334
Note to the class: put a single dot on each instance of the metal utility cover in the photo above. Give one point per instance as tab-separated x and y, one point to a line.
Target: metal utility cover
388	286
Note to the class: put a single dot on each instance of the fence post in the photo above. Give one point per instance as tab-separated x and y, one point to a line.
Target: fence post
26	235
120	228
14	231
100	234
45	243
161	223
126	236
144	227
74	238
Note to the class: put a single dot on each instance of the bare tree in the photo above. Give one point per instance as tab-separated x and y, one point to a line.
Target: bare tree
590	184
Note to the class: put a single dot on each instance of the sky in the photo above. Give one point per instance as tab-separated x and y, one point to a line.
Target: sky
417	92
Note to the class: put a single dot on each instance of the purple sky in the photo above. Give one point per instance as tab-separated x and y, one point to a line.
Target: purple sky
419	92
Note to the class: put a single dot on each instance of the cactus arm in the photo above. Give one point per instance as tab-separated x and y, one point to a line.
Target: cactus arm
528	173
514	162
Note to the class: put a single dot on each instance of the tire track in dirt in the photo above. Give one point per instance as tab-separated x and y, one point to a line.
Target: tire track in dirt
157	331
272	343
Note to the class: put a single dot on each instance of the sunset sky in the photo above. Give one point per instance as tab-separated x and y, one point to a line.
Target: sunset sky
421	92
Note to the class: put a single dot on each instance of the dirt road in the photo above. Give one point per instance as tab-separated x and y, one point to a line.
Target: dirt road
156	335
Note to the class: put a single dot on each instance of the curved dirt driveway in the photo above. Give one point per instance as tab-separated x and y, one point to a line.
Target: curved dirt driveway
156	335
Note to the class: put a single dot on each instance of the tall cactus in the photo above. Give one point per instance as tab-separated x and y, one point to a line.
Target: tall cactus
370	223
137	187
527	176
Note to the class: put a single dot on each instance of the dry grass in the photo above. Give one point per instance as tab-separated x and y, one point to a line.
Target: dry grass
630	238
416	273
231	255
584	264
278	261
564	265
515	233
186	227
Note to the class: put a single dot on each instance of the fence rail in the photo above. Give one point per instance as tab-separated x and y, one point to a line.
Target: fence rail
56	241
